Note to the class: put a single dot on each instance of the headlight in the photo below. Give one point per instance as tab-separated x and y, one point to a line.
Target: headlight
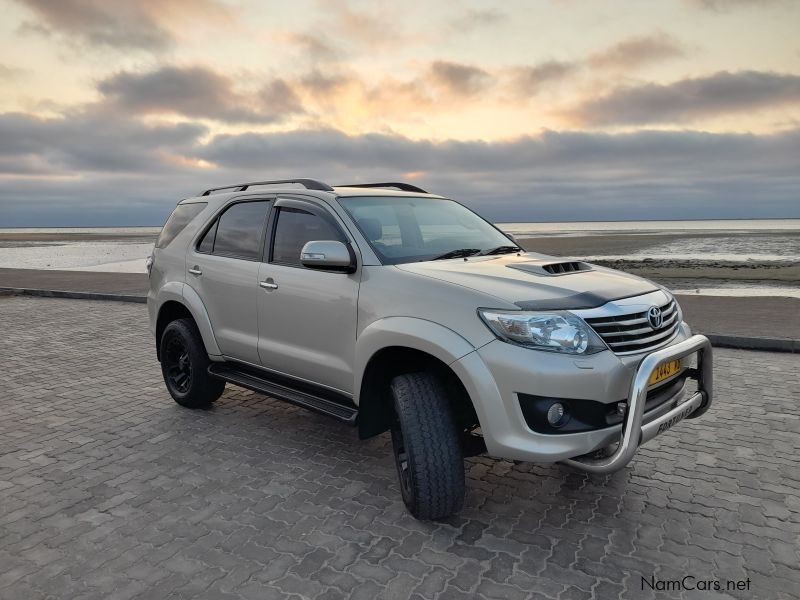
554	331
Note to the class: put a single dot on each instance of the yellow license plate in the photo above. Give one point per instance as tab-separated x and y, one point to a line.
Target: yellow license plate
664	371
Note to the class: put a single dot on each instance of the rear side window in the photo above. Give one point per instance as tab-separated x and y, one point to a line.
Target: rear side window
177	222
206	245
237	232
294	228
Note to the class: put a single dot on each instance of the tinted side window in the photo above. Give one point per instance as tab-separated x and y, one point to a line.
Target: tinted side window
294	228
207	243
177	222
239	230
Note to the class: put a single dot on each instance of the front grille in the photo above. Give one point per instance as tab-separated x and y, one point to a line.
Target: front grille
626	334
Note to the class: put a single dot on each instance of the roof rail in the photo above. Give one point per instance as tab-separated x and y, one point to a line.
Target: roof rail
406	187
309	184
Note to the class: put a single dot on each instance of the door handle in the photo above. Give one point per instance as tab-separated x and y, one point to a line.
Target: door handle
195	270
268	284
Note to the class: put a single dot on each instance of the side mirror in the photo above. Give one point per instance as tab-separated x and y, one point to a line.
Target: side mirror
512	238
328	254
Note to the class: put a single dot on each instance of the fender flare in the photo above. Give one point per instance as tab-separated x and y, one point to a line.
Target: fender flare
407	332
195	305
186	296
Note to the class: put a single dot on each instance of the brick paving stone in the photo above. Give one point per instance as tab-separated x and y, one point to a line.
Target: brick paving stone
108	489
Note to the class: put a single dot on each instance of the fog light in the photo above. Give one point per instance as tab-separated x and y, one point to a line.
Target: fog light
557	414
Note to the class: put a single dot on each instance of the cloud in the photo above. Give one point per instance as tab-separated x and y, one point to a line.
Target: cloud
315	45
278	98
475	19
626	55
637	51
9	73
122	24
459	78
197	92
90	142
130	173
379	28
529	80
591	154
690	99
722	5
554	176
318	83
330	97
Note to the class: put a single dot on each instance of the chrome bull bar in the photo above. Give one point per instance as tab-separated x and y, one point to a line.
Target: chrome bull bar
634	434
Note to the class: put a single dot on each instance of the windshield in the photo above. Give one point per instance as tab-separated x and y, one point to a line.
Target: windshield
404	229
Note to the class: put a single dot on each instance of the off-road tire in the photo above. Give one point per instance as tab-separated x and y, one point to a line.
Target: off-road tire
186	375
424	432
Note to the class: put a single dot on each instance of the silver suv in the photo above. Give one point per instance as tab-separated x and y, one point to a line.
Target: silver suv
393	309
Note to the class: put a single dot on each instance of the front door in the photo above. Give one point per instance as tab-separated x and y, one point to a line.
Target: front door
223	269
306	317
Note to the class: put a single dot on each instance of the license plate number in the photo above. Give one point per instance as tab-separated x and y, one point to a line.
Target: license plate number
664	371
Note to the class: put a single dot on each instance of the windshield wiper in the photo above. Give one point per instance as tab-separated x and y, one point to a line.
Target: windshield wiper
502	250
461	252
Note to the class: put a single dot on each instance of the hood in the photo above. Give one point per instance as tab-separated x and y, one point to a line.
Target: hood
526	280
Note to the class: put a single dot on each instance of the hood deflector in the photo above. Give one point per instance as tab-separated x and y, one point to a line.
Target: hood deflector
584	300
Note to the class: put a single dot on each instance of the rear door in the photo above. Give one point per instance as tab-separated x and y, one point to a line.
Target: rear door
306	317
223	266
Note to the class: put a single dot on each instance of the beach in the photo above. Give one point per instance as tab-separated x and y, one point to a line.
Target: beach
719	258
725	275
103	249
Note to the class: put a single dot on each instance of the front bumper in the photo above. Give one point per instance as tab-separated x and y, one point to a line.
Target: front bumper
634	434
496	374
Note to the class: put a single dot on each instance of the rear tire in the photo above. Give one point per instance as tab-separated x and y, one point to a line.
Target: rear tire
426	447
184	365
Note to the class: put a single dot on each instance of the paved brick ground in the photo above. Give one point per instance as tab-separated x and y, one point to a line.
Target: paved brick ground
110	490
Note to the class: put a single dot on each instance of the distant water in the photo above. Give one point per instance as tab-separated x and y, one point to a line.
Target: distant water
75	230
732	240
651	227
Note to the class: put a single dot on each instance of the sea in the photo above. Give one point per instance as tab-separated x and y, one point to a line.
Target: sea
746	240
740	241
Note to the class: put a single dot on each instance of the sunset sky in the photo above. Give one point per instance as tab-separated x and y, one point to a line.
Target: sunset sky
111	110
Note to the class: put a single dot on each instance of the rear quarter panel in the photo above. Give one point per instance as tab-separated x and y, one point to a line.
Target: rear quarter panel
168	276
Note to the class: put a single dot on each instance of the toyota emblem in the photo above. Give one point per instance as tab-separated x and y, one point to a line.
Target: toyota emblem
654	317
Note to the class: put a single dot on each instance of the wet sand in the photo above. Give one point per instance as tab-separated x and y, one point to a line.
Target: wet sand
782	272
681	272
616	243
7	239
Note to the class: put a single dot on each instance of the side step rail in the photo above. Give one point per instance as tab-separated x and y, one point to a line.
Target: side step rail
262	384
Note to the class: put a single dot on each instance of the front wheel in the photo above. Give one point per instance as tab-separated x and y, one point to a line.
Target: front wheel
184	364
426	447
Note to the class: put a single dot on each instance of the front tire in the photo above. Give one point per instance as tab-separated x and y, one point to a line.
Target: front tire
184	364
426	447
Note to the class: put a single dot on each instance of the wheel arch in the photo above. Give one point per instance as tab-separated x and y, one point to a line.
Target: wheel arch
185	303
398	345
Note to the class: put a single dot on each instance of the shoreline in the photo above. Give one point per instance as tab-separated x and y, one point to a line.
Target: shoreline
67	237
115	251
699	272
603	244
